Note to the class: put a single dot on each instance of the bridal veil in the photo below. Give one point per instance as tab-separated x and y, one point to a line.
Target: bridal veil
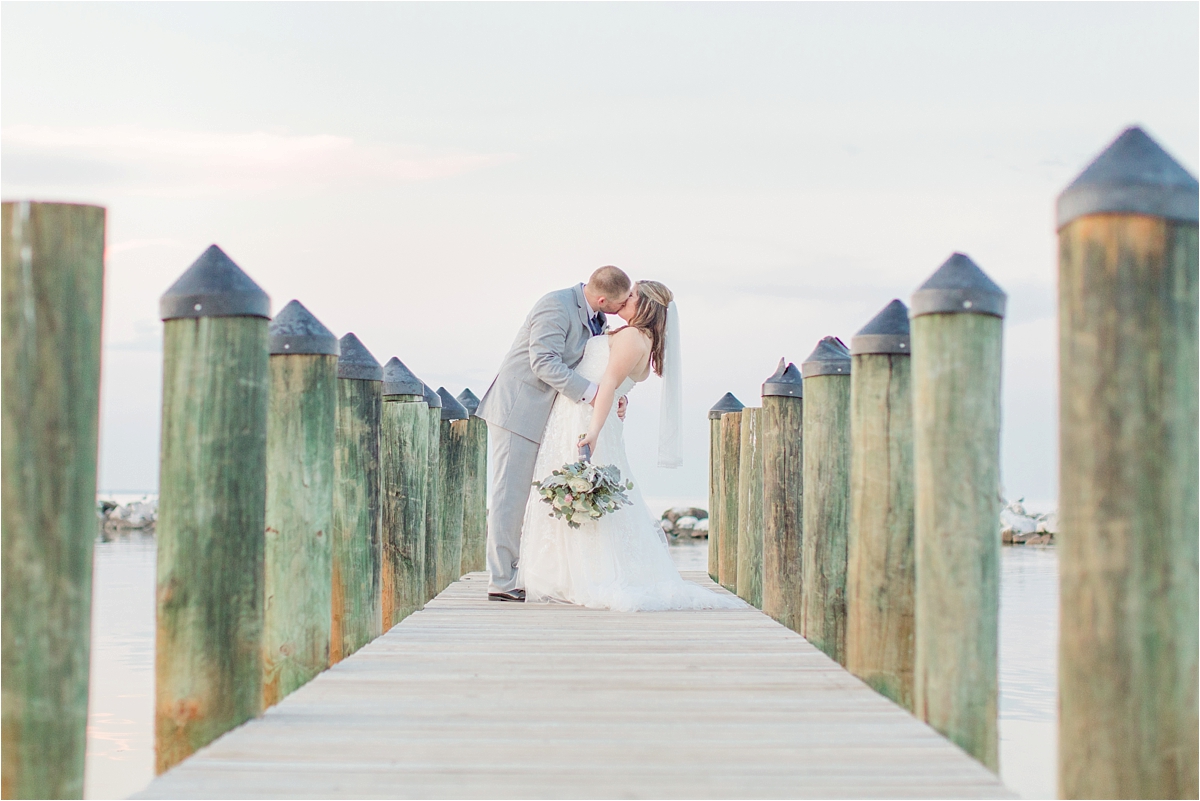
670	414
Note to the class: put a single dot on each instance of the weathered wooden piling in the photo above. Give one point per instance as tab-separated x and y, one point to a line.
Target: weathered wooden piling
433	491
826	374
957	332
717	494
298	575
731	449
750	509
474	548
211	506
783	494
357	546
1127	285
53	281
880	545
452	468
404	458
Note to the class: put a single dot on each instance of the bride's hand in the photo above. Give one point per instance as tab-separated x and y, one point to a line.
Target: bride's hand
588	439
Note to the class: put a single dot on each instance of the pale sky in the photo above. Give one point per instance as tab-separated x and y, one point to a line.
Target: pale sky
421	173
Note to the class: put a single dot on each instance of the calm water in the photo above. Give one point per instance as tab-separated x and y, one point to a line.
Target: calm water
120	735
120	757
1029	670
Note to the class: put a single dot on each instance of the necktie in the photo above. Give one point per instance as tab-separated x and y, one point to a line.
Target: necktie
595	324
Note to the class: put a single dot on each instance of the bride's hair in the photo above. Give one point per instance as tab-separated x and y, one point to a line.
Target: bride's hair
651	319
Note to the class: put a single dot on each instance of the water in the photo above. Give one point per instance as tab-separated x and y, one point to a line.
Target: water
120	731
1029	669
690	555
120	746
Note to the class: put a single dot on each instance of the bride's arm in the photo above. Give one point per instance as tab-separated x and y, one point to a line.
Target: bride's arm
627	349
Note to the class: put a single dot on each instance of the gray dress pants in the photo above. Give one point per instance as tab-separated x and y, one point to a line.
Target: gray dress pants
512	459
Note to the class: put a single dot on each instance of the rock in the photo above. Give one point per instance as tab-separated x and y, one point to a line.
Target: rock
677	512
685	521
1019	522
135	516
1017	526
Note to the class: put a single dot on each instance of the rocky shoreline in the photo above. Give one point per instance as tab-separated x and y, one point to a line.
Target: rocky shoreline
681	524
1016	527
1019	527
120	519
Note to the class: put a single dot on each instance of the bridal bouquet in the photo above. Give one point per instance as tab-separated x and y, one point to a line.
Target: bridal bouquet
584	491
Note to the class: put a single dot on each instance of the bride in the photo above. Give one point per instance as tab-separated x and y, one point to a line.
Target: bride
619	561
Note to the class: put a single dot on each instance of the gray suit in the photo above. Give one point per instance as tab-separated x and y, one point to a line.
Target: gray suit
538	367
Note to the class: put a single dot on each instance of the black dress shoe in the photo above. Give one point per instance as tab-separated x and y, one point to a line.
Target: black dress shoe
515	595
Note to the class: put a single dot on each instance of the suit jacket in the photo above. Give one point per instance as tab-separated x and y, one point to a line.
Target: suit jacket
540	365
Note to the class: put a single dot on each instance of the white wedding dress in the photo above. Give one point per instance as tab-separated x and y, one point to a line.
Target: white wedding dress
618	562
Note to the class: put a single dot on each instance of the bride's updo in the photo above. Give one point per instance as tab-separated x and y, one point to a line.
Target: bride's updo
651	319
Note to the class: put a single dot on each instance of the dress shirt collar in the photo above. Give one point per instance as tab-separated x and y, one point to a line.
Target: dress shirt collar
588	303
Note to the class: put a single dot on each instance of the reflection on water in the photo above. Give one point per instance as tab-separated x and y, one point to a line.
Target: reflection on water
120	745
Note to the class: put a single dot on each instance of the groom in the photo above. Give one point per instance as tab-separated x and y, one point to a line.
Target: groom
539	366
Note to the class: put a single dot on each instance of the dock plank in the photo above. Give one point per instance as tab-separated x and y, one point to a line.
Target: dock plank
472	699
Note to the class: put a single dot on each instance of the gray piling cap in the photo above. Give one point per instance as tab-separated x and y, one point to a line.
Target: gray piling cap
785	382
468	400
959	287
432	399
725	405
214	287
294	331
831	357
399	380
451	408
356	362
1132	176
886	333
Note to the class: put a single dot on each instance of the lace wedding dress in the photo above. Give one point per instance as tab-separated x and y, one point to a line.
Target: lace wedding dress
618	562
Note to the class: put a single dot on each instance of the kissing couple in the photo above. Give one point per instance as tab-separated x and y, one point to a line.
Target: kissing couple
557	391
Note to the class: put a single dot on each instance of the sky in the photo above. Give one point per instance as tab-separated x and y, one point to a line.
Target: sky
420	173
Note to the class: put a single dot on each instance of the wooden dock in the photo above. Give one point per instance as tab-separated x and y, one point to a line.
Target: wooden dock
471	699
